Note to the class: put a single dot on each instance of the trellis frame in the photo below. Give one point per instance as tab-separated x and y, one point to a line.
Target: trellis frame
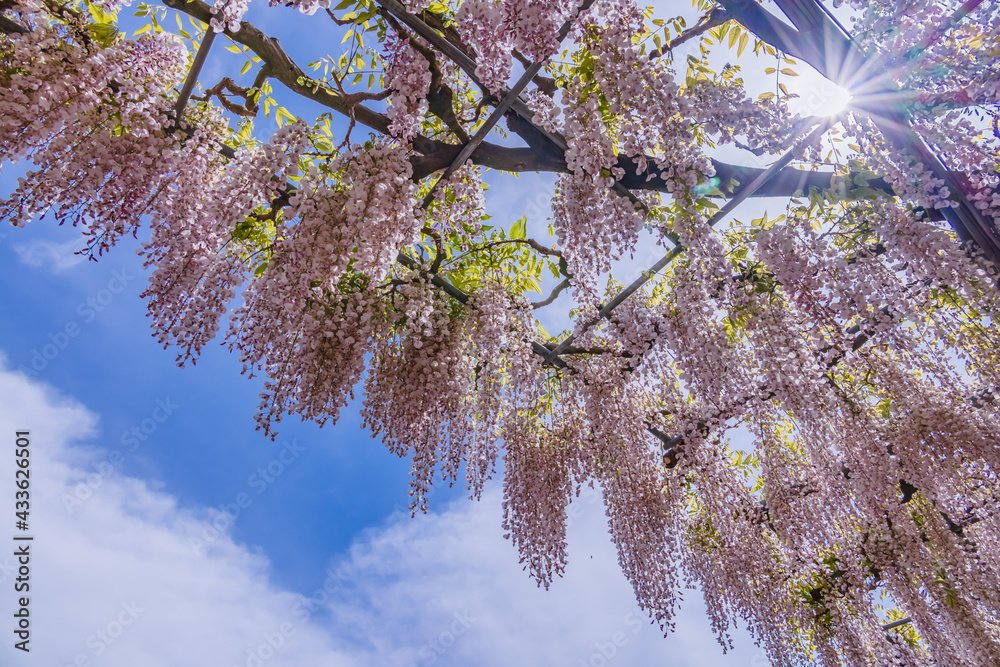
817	38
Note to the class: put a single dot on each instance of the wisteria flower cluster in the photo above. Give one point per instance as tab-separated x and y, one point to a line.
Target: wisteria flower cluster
495	28
798	416
409	76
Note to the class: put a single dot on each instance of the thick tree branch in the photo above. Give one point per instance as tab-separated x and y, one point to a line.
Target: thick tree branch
11	27
438	247
556	291
229	87
284	69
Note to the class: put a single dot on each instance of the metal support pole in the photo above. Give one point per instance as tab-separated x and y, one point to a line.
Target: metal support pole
192	75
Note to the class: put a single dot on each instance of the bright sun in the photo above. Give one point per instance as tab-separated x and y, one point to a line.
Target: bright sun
818	96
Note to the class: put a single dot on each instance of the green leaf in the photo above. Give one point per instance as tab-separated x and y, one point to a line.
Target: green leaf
281	114
101	16
520	228
437	8
105	33
863	193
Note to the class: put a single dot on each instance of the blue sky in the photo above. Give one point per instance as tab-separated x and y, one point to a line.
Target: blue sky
399	589
125	525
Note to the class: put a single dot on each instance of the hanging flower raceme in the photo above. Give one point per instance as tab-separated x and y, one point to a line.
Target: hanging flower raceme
542	467
542	455
618	452
416	393
546	113
408	74
317	298
494	28
641	519
202	244
311	342
732	552
50	85
491	320
468	370
109	111
480	25
379	205
594	228
459	204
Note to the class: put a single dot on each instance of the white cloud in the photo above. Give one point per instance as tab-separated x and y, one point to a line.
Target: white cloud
446	589
57	256
116	582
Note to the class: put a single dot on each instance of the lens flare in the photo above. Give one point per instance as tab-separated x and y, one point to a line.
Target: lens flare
818	96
